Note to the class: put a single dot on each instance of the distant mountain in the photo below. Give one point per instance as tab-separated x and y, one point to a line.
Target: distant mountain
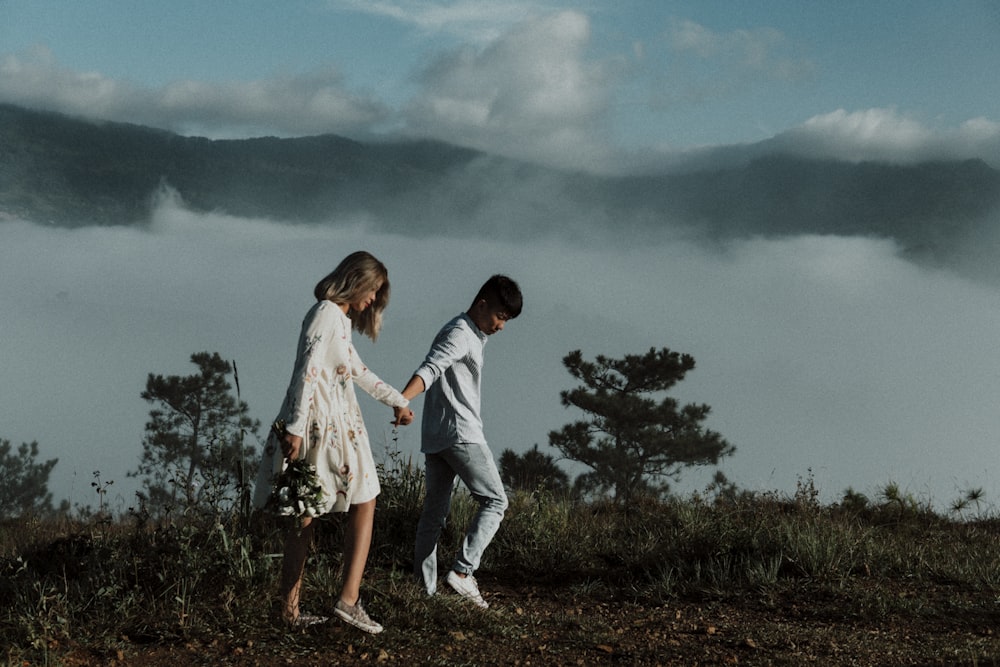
72	172
75	172
923	206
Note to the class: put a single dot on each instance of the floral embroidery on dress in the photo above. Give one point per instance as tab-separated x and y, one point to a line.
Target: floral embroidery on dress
311	342
346	476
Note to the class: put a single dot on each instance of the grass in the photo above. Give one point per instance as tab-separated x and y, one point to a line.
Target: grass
116	587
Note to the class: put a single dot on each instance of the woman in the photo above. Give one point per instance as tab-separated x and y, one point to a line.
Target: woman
323	424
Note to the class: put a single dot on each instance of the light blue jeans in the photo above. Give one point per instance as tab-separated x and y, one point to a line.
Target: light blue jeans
474	465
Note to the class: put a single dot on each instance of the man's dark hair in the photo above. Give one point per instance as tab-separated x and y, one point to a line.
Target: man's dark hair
501	293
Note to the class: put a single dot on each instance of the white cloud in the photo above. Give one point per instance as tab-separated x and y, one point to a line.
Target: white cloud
822	353
470	20
702	67
535	92
758	51
887	135
872	131
35	79
530	94
312	103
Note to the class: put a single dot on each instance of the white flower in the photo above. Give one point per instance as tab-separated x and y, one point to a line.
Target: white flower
297	492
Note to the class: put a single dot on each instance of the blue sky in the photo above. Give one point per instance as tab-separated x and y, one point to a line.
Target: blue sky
584	83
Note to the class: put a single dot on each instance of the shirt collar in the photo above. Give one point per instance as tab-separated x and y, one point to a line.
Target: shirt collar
476	330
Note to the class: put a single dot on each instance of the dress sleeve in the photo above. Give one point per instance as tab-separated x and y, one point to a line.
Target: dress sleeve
319	333
373	386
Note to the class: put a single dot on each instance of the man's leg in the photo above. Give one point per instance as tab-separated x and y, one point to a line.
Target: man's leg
438	481
474	465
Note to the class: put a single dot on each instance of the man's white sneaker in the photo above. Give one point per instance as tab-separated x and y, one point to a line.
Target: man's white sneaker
466	587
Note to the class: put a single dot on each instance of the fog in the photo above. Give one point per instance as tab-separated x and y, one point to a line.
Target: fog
823	357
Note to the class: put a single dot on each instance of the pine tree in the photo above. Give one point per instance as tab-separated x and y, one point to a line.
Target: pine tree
631	441
532	471
194	449
24	482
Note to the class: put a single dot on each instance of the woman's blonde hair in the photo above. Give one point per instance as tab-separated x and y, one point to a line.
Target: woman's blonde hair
357	274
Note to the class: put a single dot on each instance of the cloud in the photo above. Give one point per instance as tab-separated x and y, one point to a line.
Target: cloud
313	103
883	135
35	79
817	353
530	94
756	50
708	65
470	20
886	135
527	87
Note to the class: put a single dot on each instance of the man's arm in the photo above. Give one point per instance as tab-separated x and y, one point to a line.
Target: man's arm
414	387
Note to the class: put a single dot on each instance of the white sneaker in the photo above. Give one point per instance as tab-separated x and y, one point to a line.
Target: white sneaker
356	616
466	587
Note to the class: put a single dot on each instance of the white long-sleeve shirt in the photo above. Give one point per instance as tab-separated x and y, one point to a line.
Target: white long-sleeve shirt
452	373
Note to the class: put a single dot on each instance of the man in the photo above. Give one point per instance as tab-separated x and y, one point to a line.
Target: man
452	437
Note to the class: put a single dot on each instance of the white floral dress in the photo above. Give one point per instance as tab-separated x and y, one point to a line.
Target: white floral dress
321	406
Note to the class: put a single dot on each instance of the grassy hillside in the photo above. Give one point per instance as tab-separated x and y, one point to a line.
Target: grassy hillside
749	579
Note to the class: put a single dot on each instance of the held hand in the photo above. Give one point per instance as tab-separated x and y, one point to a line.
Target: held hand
290	446
403	416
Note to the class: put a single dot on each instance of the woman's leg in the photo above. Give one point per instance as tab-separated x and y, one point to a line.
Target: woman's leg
357	542
297	543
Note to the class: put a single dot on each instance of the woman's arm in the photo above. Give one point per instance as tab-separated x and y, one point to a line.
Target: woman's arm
381	391
318	334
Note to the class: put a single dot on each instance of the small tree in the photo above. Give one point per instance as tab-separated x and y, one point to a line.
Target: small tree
194	448
532	471
24	483
632	442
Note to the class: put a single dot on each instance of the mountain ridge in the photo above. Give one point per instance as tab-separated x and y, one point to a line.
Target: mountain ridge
67	171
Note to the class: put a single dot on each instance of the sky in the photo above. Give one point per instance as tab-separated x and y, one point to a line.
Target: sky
588	84
835	358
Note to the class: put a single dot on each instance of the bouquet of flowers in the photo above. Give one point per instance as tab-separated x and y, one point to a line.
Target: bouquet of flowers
296	491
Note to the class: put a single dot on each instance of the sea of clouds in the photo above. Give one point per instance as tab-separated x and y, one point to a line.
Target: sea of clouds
826	358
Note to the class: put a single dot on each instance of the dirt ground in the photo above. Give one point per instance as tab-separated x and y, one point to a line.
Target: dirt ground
550	626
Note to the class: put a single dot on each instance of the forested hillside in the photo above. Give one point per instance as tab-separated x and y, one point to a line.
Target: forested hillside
60	170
